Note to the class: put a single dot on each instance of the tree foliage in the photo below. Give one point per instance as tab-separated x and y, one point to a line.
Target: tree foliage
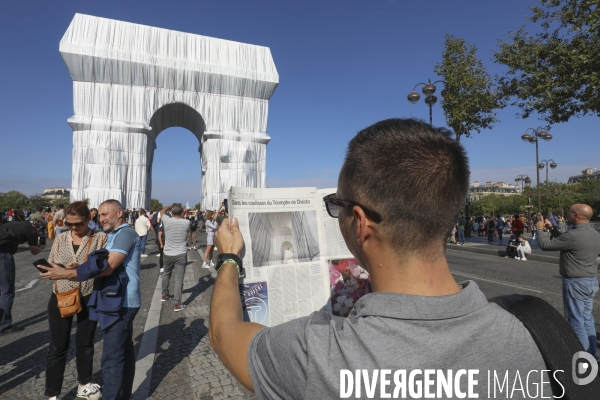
197	206
555	72
16	199
13	199
470	98
155	205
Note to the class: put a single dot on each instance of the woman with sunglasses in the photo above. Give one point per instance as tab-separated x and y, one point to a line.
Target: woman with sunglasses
70	250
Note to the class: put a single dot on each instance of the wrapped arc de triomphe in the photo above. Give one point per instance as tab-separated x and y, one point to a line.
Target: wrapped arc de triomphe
131	82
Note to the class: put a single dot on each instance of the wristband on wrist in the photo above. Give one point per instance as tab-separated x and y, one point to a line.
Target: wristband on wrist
232	259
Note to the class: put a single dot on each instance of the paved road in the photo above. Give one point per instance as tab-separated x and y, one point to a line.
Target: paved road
185	366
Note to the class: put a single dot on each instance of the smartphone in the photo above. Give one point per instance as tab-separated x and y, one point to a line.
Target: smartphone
225	206
45	263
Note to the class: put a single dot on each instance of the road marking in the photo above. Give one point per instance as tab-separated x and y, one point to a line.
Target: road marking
493	281
28	286
145	359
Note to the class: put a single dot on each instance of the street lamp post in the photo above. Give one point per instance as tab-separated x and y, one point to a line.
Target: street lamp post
527	181
539	133
430	99
468	226
553	165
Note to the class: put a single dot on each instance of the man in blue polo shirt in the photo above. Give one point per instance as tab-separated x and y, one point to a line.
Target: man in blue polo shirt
118	357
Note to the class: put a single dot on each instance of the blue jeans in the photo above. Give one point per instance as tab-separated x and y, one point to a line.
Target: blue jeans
143	238
461	235
578	299
7	288
118	357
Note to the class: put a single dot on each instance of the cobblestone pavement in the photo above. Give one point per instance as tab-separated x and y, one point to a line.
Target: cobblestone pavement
185	365
23	355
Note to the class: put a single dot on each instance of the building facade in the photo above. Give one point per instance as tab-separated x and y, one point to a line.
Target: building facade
587	173
478	191
57	193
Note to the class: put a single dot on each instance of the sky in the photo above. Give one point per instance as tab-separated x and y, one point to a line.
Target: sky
343	65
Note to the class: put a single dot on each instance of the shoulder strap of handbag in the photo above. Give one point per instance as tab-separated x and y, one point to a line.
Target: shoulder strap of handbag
87	253
555	339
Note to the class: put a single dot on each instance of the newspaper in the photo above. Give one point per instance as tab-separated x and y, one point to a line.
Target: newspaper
294	255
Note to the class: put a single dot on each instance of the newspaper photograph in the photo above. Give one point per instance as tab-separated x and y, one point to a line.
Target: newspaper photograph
349	282
255	302
283	237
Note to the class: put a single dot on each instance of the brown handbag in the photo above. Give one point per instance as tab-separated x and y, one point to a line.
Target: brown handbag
69	302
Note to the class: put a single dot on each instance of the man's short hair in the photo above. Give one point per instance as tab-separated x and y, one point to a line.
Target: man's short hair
177	209
114	203
414	175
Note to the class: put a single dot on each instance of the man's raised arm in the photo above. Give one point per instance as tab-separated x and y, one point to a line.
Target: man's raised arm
165	209
229	335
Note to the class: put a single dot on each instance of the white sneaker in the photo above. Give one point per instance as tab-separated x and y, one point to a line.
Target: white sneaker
162	270
516	258
205	265
505	256
523	259
212	264
144	255
54	398
91	391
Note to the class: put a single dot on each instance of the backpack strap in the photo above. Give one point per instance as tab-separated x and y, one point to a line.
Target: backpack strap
555	340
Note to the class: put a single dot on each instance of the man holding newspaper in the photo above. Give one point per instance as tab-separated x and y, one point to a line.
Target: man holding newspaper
394	215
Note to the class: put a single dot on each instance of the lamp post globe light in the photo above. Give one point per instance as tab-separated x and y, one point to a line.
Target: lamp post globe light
523	179
539	133
428	90
543	163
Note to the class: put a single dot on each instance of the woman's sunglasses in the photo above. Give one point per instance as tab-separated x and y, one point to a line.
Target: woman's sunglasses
75	225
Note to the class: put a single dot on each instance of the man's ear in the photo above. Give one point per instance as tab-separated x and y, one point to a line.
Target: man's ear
360	227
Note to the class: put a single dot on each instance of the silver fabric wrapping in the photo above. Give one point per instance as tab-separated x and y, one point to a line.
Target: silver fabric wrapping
131	82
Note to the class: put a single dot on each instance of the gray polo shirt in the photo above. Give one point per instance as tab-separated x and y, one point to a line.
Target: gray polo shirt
579	248
176	232
304	358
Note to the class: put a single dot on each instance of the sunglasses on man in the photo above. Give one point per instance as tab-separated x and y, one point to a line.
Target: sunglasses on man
333	205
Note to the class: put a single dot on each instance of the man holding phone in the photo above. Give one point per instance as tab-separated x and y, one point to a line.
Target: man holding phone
12	234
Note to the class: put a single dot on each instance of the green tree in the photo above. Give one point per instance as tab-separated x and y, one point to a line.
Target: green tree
469	98
37	200
556	72
589	193
156	205
13	199
197	206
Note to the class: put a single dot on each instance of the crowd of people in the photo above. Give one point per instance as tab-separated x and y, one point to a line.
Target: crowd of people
94	263
515	226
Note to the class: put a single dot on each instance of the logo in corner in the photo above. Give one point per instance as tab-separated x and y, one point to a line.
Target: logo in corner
584	364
